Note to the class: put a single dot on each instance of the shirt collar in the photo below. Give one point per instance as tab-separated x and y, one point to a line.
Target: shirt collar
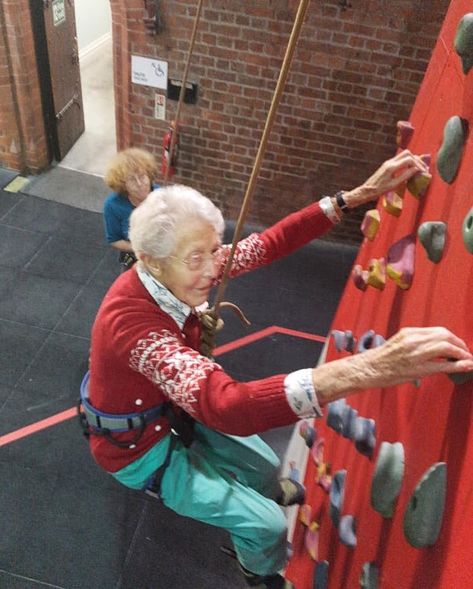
170	304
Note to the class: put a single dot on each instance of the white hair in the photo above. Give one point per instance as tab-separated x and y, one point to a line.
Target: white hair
154	223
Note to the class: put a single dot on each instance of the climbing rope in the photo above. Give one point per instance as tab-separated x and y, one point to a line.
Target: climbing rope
183	90
211	322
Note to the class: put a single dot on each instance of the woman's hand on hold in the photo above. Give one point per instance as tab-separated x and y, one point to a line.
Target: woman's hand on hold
389	176
412	353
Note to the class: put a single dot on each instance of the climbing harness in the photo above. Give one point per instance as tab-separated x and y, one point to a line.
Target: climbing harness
99	423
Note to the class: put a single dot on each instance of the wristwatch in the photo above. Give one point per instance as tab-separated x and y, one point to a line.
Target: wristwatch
342	205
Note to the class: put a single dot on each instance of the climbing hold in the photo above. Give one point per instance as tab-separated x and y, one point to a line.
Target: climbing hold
404	132
370	224
365	436
468	231
359	277
392	203
418	184
305	514
369	340
323	477
424	511
461	377
347	530
400	266
341	418
294	473
344	340
369	576
377	273
336	414
307	432
432	236
321	575
317	451
349	422
450	153
311	540
387	478
464	42
337	491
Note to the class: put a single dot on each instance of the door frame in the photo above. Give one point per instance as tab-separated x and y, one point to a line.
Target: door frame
44	76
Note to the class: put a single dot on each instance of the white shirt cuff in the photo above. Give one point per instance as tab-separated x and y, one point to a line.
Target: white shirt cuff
328	209
301	395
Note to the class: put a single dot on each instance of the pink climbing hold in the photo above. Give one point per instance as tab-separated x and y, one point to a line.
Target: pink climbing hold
401	257
359	277
404	133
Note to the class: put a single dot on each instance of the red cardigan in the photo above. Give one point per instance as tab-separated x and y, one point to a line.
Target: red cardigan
140	357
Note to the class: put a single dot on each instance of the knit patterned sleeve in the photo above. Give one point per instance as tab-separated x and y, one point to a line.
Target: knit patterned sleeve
179	371
283	238
203	389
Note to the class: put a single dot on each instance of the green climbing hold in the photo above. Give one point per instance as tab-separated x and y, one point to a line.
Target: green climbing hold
432	236
369	576
424	512
464	42
468	231
450	153
387	478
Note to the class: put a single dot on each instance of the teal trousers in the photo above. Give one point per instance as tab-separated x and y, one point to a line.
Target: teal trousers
225	481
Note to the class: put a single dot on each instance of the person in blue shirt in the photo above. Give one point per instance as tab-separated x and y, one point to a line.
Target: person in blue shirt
131	175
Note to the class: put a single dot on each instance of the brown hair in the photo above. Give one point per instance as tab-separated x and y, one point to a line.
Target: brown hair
129	161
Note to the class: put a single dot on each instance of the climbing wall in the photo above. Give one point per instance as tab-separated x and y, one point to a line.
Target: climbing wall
408	450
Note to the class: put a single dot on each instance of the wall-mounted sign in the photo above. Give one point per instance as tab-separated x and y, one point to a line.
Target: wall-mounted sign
59	12
160	107
149	72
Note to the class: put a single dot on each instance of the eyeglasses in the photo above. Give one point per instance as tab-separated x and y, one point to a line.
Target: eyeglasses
197	261
137	180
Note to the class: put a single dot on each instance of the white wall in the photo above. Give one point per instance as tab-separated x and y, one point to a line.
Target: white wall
93	22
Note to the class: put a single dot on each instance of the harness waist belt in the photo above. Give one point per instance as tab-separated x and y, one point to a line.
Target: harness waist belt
117	423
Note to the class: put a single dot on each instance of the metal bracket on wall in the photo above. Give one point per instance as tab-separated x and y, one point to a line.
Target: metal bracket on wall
153	21
74	100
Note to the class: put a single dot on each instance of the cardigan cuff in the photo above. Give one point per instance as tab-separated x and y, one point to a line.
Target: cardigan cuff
301	395
329	210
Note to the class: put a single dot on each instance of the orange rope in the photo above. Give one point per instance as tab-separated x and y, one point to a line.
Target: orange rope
262	147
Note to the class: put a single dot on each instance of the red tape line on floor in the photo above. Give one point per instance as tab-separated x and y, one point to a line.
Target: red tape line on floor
223	349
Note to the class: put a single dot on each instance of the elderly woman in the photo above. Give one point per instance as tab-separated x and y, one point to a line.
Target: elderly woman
184	429
131	175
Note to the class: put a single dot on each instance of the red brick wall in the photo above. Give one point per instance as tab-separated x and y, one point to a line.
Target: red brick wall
355	73
22	137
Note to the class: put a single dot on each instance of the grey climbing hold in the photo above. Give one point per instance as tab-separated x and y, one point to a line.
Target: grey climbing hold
369	576
321	575
424	512
369	340
337	491
344	340
387	478
341	418
365	436
347	530
450	153
468	231
336	414
464	42
432	236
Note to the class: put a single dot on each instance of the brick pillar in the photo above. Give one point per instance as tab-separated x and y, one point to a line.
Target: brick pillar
23	143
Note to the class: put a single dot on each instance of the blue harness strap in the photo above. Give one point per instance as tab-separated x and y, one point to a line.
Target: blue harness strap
100	422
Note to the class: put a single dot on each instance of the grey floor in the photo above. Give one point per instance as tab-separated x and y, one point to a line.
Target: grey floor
65	523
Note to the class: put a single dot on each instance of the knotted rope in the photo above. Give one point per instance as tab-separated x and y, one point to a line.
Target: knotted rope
211	322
